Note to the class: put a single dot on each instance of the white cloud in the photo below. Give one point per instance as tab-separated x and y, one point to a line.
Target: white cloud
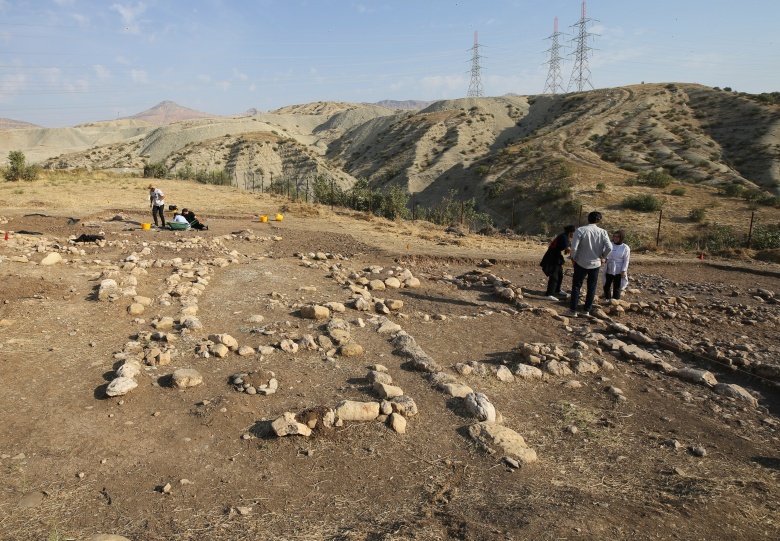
130	14
81	20
204	78
252	87
77	87
444	85
139	76
102	72
239	75
224	85
10	85
66	3
123	60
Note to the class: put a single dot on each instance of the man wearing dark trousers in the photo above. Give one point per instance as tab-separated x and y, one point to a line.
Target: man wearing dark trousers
589	249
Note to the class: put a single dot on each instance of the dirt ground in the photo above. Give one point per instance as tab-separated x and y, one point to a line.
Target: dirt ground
75	462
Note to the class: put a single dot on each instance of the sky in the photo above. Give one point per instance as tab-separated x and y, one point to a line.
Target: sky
68	62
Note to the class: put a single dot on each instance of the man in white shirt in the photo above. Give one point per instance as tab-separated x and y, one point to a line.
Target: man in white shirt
157	202
589	248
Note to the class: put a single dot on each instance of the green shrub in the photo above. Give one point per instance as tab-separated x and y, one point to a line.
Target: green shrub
731	189
657	179
155	170
482	170
766	237
17	168
719	237
556	192
566	171
642	203
678	191
601	187
571	207
698	215
496	189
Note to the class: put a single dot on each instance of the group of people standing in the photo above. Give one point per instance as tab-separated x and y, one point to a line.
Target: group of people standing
157	203
588	247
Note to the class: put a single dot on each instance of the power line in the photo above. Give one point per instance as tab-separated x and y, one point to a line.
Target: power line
475	85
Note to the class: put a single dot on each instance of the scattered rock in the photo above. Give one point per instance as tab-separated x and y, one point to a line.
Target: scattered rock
478	405
507	440
185	378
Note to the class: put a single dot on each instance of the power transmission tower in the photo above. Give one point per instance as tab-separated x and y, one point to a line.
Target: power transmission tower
554	82
475	86
580	75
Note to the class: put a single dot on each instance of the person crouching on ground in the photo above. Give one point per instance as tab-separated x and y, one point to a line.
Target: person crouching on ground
193	220
552	262
616	267
589	248
179	219
157	202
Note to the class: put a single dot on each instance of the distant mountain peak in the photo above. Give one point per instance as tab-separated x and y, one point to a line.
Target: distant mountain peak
407	105
10	124
168	112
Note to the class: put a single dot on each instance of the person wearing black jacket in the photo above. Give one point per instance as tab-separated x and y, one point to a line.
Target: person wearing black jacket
553	260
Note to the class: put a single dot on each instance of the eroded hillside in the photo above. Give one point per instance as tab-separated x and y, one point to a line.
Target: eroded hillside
527	162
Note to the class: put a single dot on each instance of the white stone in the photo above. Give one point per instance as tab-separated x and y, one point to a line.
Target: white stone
121	386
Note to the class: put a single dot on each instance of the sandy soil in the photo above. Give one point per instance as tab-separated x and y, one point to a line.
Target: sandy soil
75	463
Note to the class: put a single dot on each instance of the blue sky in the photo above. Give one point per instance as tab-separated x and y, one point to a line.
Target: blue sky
65	62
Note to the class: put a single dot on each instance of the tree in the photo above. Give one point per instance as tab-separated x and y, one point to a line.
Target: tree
18	169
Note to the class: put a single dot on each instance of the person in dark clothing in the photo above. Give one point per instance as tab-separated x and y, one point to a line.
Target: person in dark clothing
553	260
193	220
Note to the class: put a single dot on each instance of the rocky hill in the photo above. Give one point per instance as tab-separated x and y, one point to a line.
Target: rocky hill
525	161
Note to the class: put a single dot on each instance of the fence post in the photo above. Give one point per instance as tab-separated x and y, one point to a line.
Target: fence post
513	214
461	213
307	189
414	211
658	234
331	194
750	231
579	217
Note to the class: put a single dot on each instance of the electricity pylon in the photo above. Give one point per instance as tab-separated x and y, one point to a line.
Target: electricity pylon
580	75
475	86
554	82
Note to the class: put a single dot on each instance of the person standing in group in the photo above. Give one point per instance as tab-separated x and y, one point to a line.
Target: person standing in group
552	262
157	202
589	248
616	267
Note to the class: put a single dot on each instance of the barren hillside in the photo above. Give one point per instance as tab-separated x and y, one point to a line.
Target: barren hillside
528	163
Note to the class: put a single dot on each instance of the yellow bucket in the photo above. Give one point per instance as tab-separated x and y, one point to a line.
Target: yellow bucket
278	218
263	219
146	226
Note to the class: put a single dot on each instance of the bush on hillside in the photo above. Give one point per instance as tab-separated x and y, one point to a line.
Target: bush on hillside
766	237
155	170
17	168
643	203
732	189
698	215
657	179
